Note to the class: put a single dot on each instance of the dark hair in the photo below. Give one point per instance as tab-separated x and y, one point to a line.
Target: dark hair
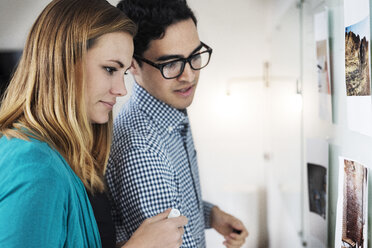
153	17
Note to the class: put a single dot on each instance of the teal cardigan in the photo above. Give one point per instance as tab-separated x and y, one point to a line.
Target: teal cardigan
43	203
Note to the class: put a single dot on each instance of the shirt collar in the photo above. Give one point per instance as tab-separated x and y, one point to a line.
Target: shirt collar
164	115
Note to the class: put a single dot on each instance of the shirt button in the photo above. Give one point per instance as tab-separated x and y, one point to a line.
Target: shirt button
170	129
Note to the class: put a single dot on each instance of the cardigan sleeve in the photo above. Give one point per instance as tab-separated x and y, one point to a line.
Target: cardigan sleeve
32	203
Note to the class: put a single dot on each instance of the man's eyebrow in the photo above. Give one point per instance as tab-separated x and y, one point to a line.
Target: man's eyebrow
196	49
118	62
168	57
178	56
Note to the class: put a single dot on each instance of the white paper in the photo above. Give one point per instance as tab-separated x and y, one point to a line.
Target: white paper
352	205
323	65
355	11
317	184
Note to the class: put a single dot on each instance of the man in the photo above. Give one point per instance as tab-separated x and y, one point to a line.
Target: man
153	163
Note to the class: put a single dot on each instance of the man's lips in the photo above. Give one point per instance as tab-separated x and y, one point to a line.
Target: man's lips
186	91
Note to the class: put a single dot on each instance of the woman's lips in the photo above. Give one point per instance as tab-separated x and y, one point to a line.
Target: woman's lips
108	104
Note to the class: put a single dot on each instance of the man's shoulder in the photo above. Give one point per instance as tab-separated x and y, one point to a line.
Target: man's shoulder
131	120
131	116
134	129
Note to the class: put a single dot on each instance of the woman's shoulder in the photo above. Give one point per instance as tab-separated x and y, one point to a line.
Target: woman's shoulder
31	161
40	199
30	147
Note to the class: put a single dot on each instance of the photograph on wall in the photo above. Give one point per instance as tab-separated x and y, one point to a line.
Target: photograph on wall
323	65
357	59
352	214
317	189
357	66
317	197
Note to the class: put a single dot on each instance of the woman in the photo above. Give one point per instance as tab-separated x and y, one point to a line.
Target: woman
55	129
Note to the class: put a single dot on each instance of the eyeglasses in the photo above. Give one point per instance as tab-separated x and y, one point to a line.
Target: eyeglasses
175	68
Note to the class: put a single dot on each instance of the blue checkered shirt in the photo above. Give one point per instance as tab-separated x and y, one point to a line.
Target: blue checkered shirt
153	166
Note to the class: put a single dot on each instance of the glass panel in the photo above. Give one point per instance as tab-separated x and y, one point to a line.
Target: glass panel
284	113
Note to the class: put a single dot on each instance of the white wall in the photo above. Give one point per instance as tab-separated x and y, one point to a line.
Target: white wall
16	19
230	130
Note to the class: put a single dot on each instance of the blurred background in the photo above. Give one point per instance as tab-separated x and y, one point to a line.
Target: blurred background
255	106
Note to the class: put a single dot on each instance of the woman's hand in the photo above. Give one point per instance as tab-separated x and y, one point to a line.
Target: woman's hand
158	232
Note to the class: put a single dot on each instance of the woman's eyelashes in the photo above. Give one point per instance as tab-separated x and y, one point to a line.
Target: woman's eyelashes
110	69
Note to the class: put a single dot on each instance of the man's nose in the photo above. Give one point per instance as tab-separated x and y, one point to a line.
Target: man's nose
188	74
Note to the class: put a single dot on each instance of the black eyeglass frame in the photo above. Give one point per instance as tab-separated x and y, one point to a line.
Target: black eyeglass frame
160	66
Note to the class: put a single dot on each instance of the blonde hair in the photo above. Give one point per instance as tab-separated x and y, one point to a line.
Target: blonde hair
44	99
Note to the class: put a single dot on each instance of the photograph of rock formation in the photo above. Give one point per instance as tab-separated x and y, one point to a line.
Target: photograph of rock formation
354	218
317	186
357	59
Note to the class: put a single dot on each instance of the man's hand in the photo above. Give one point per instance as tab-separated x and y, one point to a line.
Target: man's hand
225	224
